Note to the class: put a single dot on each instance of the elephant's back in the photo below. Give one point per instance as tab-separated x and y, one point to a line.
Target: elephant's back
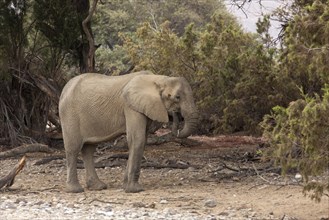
92	82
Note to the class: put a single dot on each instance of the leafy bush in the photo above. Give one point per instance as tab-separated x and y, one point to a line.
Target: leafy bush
299	138
298	134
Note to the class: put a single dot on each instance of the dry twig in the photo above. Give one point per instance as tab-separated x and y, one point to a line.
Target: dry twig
26	148
8	180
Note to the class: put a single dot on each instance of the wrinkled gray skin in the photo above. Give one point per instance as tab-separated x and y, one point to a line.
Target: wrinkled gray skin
95	108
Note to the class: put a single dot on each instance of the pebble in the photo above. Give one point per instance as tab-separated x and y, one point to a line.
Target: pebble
298	176
163	201
210	203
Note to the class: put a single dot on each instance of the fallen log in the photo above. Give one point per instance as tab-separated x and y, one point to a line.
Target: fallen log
158	140
26	148
49	159
8	180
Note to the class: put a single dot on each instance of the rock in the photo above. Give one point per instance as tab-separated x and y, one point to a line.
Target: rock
39	203
169	211
253	214
151	206
146	214
108	208
224	213
10	206
163	201
210	203
210	217
138	205
68	210
20	200
106	213
298	176
191	169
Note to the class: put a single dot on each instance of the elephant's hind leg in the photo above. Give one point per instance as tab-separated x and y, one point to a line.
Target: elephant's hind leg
72	183
92	180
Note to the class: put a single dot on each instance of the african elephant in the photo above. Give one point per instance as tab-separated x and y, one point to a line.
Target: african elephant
95	108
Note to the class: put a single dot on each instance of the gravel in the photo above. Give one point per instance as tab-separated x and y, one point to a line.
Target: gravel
170	194
12	208
32	207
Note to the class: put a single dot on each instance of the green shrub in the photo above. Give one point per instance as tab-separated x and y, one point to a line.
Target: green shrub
299	139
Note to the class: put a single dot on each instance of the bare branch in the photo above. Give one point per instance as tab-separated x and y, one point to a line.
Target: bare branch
91	54
8	180
27	148
310	49
154	21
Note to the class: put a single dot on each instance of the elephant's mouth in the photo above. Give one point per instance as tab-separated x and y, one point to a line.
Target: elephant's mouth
190	124
176	117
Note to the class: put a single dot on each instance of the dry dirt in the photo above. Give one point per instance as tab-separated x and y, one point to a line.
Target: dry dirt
220	179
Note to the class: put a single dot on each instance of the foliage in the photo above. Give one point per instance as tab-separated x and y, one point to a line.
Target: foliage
121	17
35	39
60	22
298	133
13	105
51	20
299	137
304	57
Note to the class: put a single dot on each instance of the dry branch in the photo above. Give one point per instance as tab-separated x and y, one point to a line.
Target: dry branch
49	159
170	138
87	30
163	166
26	148
115	156
9	179
45	86
158	140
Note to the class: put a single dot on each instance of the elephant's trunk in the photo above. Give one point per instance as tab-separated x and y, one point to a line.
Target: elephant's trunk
190	125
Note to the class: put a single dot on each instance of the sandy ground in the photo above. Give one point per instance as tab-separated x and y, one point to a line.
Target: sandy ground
217	181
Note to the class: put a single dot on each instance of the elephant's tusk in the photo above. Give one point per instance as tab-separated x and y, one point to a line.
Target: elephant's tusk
178	133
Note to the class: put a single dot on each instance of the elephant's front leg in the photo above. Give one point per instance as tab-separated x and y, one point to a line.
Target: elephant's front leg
136	138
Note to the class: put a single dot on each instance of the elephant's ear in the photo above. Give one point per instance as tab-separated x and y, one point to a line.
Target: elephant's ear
143	94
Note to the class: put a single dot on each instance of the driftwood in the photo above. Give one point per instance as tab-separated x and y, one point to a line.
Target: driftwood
111	157
158	140
162	166
153	165
99	162
105	161
26	148
8	180
49	159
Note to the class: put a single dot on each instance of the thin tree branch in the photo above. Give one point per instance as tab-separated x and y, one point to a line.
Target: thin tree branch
91	54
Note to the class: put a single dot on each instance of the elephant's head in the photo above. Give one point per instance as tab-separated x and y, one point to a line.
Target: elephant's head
156	96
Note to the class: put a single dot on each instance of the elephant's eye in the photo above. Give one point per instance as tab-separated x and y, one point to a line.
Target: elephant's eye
169	95
177	97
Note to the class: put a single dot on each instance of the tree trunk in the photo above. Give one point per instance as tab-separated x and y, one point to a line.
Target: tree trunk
86	49
88	32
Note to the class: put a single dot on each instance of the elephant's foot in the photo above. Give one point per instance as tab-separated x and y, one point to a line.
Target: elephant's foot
96	185
133	188
73	188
